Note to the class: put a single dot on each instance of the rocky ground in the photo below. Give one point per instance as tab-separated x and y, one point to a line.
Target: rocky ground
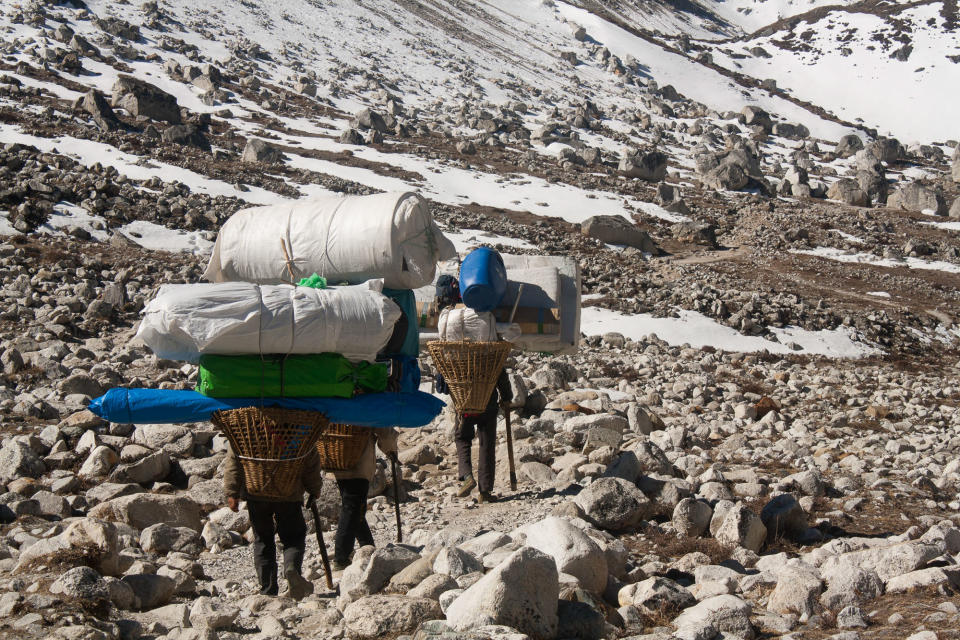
664	490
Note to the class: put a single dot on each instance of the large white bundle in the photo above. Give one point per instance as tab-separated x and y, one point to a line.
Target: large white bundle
462	323
235	318
343	238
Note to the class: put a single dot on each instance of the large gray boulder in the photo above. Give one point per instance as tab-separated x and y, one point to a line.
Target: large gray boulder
82	583
848	586
162	538
372	569
888	561
918	197
784	517
691	517
140	98
798	590
18	460
144	509
743	528
151	590
87	541
573	551
849	191
650	166
726	614
618	230
656	596
613	504
257	150
757	117
175	440
848	145
378	616
521	592
151	468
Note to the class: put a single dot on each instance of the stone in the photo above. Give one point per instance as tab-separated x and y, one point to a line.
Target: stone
850	586
797	591
99	463
144	509
419	455
691	517
613	503
726	614
140	98
955	208
784	517
161	538
153	467
175	440
888	562
574	552
257	150
848	145
208	613
619	231
849	191
577	619
742	527
373	617
121	594
186	134
433	586
650	166
934	576
86	541
151	590
522	593
455	562
371	571
656	596
369	119
82	583
809	483
52	505
917	197
18	460
851	618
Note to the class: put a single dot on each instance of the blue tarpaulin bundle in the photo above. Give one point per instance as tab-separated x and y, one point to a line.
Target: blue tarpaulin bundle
158	406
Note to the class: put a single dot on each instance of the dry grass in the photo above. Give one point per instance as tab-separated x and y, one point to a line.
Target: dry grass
673	546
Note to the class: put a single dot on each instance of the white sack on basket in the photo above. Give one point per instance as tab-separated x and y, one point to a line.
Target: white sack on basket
461	323
234	318
343	238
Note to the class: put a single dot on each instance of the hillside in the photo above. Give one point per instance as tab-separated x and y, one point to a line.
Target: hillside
760	429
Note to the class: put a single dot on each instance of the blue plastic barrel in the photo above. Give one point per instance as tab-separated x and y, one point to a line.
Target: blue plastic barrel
483	279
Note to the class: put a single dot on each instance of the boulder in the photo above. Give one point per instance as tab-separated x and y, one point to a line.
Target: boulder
573	551
371	571
94	103
140	98
919	198
378	616
369	119
99	463
151	468
850	586
848	146
757	117
521	592
955	209
432	586
656	596
151	591
579	620
455	562
208	613
82	583
784	517
257	150
186	134
888	562
613	504
18	460
162	538
650	166
797	591
175	440
742	527
85	542
618	230
849	191
691	517
726	614
141	510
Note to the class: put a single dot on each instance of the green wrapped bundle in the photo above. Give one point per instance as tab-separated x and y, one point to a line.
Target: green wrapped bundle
325	375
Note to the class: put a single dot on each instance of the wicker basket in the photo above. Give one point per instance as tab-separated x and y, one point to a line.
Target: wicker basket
271	444
341	445
470	369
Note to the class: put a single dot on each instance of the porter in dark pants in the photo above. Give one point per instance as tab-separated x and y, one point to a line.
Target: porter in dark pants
484	427
292	530
352	527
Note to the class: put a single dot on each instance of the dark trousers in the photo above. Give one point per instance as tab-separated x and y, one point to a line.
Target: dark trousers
292	529
484	426
352	526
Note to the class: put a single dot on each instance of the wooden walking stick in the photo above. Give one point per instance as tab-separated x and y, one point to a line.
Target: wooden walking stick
394	464
323	548
513	471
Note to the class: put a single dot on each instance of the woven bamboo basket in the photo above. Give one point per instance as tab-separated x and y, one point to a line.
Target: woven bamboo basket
470	369
271	444
341	445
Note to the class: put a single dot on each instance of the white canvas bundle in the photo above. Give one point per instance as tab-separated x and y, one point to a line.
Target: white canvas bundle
343	238
466	324
234	318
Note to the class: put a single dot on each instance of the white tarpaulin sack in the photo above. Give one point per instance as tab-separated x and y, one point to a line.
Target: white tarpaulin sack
343	238
461	323
234	318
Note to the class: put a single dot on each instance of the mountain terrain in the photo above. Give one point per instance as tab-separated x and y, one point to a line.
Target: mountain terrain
759	434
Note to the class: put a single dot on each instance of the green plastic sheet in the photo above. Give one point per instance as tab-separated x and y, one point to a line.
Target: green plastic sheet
325	375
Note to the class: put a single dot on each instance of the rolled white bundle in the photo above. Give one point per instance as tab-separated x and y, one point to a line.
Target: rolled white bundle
234	318
343	238
462	323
